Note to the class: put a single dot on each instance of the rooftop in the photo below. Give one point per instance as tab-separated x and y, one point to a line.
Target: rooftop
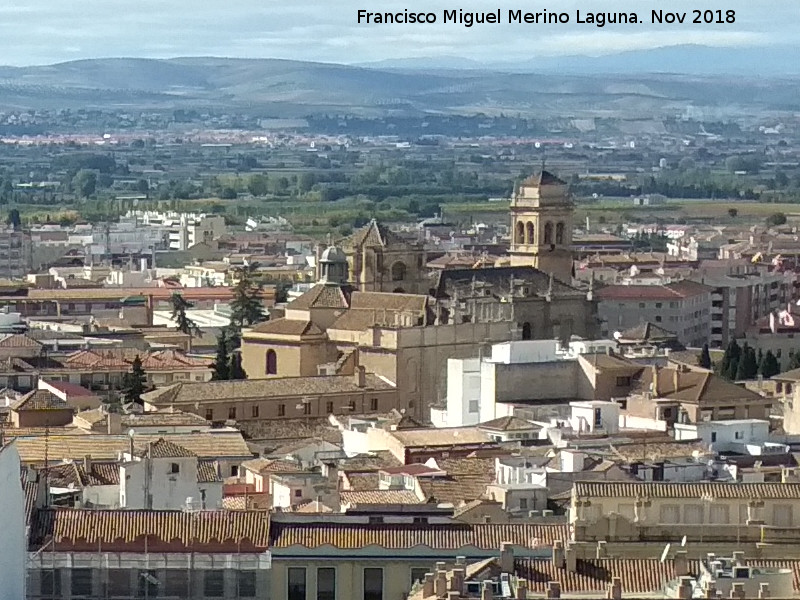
695	490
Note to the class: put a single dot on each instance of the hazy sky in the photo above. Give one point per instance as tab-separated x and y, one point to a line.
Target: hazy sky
46	31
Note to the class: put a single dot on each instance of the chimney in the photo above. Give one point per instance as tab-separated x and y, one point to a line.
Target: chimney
360	376
738	558
457	577
440	583
87	463
506	557
453	595
427	585
737	591
681	563
615	589
676	378
461	561
710	589
553	589
558	554
602	549
521	593
763	590
570	559
486	590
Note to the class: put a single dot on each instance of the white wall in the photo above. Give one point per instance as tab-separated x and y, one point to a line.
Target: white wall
169	490
12	541
463	387
582	416
101	496
721	433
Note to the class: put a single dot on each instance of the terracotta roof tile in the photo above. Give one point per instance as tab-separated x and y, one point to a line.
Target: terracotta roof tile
379	497
599	489
286	327
207	471
161	448
39	400
323	296
444	536
18	340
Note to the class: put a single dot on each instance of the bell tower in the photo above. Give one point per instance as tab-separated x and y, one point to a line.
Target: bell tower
542	217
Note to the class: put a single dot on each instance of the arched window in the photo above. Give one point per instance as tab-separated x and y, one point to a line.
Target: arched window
398	271
526	331
520	232
272	362
529	233
560	233
548	233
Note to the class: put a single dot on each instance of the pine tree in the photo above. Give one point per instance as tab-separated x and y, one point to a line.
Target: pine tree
704	360
730	360
770	367
760	360
794	361
747	367
134	383
236	370
246	306
182	322
222	361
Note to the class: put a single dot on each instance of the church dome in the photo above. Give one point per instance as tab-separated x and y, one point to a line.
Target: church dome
333	254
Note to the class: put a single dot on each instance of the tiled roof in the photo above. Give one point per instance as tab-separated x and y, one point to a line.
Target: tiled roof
207	471
161	448
444	536
122	358
32	450
286	327
75	474
323	296
498	279
508	424
363	482
269	465
695	386
647	332
39	400
543	177
372	234
610	489
261	389
671	291
31	490
313	506
83	528
389	301
446	436
164	419
655	451
379	497
71	389
465	480
18	340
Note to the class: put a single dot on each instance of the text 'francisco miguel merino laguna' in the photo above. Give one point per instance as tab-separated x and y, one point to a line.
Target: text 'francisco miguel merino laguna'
543	17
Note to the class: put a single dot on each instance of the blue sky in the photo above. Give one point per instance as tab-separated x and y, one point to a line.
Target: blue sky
47	31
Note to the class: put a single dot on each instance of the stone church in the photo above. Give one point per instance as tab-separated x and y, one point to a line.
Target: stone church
375	306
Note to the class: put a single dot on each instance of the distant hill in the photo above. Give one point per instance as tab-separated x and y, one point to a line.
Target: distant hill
573	86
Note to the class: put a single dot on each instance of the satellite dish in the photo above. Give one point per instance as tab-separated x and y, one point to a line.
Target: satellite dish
617	335
665	553
683	542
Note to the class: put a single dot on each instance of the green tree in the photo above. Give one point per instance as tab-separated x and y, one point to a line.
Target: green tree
246	306
182	321
770	366
222	361
704	360
134	383
236	371
733	213
85	182
776	219
13	219
730	360
794	361
747	367
258	185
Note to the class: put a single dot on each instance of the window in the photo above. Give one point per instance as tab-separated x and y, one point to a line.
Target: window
254	411
351	405
418	574
693	514
81	582
326	583
174	468
373	404
641	304
520	232
50	583
598	417
373	584
658	318
176	582
548	233
298	493
719	514
209	414
148	584
272	363
739	435
658	304
713	436
296	584
329	407
246	582
281	410
623	381
214	584
234	470
474	406
526	331
398	271
523	504
781	516
232	412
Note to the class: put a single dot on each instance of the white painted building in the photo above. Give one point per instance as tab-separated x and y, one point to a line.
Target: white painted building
742	436
13	540
166	476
